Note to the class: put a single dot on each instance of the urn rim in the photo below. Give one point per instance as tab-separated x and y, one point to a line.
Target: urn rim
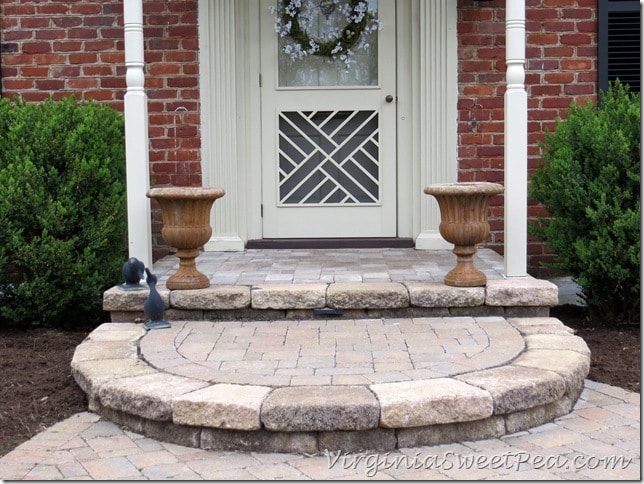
176	193
464	188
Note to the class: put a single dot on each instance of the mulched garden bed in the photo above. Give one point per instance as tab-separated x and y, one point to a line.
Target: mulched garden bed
36	385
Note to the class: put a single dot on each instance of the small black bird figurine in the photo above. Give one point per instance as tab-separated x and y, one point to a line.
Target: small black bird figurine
154	306
132	273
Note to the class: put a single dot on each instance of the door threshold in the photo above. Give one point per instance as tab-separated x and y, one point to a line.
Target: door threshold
340	243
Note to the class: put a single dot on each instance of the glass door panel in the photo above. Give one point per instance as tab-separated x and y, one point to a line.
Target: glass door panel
324	25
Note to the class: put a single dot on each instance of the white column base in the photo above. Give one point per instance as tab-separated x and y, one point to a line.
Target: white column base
432	241
224	243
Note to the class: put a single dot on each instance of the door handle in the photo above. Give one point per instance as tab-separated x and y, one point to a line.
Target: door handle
389	98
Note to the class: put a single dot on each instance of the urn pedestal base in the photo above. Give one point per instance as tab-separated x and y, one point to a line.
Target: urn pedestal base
465	274
187	276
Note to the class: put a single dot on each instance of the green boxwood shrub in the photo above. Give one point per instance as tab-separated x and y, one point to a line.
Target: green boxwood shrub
590	185
63	217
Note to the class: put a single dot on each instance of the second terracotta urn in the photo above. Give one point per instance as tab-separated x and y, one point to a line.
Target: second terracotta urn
464	222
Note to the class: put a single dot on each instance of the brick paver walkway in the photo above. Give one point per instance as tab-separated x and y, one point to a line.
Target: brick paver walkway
599	440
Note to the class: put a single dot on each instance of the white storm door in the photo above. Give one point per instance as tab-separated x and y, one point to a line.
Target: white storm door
329	133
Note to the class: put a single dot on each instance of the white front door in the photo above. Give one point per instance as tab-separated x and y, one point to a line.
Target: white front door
328	126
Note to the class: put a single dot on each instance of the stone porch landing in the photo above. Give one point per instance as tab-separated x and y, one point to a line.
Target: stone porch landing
302	351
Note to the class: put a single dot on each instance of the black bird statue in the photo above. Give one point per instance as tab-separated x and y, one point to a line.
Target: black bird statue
132	273
154	306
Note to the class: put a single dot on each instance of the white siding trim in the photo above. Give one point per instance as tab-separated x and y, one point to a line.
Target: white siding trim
436	129
217	58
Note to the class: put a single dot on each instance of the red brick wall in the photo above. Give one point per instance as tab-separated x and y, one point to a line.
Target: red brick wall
561	66
61	47
58	48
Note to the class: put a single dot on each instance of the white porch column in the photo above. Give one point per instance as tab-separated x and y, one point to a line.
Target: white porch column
136	136
516	142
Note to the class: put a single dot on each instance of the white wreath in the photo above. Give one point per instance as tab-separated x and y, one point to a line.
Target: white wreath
293	20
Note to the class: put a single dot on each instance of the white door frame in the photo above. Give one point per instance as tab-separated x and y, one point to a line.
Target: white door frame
426	123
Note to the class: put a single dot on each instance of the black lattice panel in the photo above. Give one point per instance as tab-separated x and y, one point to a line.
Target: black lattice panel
328	158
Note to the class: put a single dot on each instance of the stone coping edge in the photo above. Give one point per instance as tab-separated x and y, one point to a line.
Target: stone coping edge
498	293
542	383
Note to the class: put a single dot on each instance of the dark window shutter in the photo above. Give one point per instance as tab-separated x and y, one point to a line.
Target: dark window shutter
619	42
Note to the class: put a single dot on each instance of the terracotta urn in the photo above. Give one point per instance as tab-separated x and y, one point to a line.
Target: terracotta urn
464	222
186	226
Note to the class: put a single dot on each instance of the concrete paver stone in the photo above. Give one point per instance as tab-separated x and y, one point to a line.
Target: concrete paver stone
435	294
348	295
513	388
320	408
442	400
288	296
213	297
149	396
221	406
521	292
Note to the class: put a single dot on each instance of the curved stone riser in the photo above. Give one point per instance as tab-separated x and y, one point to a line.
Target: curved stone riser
379	439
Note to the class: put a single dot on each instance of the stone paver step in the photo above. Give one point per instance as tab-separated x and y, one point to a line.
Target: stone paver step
401	383
525	297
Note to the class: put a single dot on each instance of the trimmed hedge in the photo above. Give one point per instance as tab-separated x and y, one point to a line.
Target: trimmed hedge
63	216
590	185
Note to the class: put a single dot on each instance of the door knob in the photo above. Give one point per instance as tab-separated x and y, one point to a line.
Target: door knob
389	98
